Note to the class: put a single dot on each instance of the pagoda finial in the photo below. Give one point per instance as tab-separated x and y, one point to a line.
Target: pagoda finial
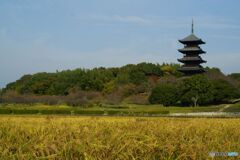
192	26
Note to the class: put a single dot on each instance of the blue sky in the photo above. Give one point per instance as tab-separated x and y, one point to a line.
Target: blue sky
50	35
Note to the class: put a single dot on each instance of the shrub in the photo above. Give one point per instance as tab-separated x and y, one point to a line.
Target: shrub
83	98
113	112
166	94
235	76
158	112
5	111
55	111
24	111
87	112
137	99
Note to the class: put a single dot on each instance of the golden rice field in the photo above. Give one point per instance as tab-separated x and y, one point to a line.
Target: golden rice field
112	138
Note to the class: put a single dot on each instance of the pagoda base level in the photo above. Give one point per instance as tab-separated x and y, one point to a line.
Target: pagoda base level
191	72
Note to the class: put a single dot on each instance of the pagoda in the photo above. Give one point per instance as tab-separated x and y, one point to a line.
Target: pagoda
191	51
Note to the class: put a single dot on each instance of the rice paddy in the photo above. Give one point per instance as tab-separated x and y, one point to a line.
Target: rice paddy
110	138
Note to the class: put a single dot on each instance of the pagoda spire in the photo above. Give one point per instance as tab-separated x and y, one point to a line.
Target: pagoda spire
191	54
192	26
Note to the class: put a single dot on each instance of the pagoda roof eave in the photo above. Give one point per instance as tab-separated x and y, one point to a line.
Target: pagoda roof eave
186	61
191	39
191	51
191	69
192	72
189	42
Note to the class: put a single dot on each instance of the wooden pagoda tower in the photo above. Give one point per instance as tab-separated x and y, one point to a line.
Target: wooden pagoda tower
191	51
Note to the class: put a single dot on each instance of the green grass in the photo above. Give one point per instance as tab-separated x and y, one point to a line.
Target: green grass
174	109
233	108
124	109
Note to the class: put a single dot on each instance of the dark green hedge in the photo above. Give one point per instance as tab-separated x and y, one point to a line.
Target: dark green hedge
5	111
78	112
88	112
55	112
24	111
114	112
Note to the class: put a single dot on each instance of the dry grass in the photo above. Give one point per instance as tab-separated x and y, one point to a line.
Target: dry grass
115	138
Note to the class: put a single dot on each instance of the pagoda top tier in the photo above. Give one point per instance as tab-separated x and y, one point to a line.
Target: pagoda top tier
192	39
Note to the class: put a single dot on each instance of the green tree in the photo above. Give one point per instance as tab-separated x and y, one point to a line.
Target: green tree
171	69
109	87
166	94
137	77
235	76
1	93
196	90
224	91
149	68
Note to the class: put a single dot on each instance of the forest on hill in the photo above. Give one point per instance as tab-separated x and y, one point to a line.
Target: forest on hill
142	83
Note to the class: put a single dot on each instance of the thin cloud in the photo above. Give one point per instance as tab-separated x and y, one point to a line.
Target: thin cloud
217	23
106	57
203	22
111	19
131	19
229	37
162	22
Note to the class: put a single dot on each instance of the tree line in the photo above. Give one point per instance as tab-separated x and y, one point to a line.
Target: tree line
195	90
141	83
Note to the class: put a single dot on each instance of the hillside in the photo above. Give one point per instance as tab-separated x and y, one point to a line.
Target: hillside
136	84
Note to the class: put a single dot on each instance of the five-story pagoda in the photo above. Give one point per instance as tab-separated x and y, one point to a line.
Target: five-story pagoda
191	59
